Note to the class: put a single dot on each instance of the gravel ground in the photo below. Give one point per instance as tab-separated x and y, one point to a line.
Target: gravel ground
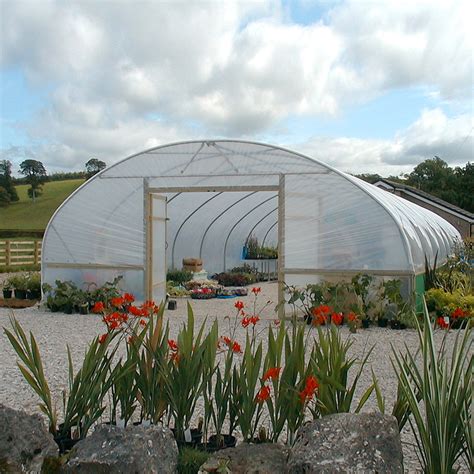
54	330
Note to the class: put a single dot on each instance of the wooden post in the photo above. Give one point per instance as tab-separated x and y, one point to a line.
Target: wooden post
36	261
7	253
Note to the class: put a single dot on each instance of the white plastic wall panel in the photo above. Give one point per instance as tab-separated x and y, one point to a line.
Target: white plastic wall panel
332	224
102	223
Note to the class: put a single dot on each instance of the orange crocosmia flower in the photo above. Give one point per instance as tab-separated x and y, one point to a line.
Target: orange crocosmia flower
236	347
319	320
256	290
442	323
227	340
337	318
263	394
142	322
239	305
117	302
245	322
254	320
135	311
172	344
102	338
311	385
128	298
458	313
272	373
352	317
98	307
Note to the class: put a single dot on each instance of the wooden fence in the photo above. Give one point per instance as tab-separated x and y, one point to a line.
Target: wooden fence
20	252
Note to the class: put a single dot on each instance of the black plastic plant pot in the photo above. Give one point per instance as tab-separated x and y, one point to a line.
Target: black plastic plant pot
84	309
458	323
196	438
216	443
394	324
382	322
20	294
65	444
365	323
7	294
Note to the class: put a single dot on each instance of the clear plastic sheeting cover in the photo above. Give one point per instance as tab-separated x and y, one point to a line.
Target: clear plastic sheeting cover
219	193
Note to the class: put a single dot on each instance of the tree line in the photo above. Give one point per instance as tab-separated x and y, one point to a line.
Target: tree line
34	173
435	176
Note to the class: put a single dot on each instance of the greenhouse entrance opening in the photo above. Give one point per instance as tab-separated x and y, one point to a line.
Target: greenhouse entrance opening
213	224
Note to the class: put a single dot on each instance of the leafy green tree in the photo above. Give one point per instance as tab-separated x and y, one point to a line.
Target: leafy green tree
35	174
93	166
6	180
4	197
432	175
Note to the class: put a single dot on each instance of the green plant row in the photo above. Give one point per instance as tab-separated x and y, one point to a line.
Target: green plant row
299	375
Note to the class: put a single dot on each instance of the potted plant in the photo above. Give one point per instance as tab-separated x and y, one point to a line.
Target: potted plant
7	290
19	283
33	284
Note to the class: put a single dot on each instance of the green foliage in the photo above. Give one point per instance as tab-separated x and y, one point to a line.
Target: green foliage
331	365
235	279
442	423
35	176
32	369
185	378
190	460
179	277
93	166
4	197
443	303
18	281
68	298
6	181
258	252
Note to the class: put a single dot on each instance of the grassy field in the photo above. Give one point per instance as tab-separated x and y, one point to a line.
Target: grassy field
26	215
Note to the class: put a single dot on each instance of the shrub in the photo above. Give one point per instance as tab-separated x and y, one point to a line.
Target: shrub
179	276
235	279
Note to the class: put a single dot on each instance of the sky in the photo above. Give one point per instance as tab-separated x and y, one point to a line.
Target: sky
365	86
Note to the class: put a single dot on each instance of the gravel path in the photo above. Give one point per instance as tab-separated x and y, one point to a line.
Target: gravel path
54	330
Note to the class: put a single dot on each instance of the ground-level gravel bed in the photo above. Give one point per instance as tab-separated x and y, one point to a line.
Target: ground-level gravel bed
54	330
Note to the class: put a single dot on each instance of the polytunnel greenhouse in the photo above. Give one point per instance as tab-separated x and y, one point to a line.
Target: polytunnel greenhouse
205	199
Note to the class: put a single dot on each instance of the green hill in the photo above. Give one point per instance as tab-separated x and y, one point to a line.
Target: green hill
26	215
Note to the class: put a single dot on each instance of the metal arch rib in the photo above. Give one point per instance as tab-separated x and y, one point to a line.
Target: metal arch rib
184	222
241	219
219	216
255	226
268	231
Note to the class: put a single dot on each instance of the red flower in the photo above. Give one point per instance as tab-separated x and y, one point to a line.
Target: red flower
149	307
337	318
117	302
142	322
102	338
239	305
319	319
442	323
246	321
272	373
309	390
322	309
135	311
128	298
173	345
236	347
458	313
98	307
256	290
263	394
227	340
352	317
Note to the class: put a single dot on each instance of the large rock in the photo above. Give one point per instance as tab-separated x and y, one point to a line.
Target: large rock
346	442
134	449
246	458
24	441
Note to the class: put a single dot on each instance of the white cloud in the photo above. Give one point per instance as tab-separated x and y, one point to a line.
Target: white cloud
433	133
229	68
